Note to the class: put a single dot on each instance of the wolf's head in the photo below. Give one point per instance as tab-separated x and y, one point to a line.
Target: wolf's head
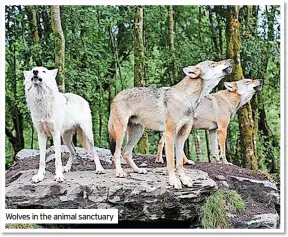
40	78
211	74
246	88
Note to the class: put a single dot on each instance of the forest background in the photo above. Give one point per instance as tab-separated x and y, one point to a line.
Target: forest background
101	50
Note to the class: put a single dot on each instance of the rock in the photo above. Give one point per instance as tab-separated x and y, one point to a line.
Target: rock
104	154
262	202
260	189
267	184
143	164
141	197
220	177
26	153
223	184
264	221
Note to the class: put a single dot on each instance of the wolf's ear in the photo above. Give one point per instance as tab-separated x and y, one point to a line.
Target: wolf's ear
26	73
53	72
192	71
231	86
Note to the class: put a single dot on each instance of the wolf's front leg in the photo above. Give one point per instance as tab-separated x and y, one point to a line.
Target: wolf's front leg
169	148
59	177
42	146
180	140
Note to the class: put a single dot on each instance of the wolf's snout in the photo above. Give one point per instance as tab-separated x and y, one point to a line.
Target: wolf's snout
229	61
259	87
228	64
35	72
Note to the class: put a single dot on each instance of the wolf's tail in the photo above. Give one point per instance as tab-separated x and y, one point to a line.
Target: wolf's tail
112	136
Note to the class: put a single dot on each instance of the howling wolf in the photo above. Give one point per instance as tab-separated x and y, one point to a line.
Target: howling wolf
58	115
215	112
162	109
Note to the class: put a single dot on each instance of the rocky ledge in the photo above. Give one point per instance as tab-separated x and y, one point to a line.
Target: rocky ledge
143	200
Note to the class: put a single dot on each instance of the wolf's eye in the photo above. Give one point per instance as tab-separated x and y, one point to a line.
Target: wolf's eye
44	71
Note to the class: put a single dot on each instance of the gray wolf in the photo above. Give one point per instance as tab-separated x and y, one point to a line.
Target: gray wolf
58	115
214	114
169	109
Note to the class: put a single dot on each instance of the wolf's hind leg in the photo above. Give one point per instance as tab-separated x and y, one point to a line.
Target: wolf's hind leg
159	157
135	132
87	141
67	138
214	145
59	177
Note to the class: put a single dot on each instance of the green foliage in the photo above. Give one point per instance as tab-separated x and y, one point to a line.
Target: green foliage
214	211
235	202
21	226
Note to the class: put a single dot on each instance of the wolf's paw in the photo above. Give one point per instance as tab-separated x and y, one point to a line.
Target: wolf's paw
187	181
141	171
227	163
38	177
159	160
100	170
66	169
176	183
59	178
121	173
190	162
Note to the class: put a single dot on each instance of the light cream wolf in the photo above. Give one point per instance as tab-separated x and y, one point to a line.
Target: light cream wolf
162	109
57	114
214	114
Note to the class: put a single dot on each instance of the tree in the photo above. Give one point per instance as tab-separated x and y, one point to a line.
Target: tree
246	123
139	51
139	65
31	10
59	44
172	65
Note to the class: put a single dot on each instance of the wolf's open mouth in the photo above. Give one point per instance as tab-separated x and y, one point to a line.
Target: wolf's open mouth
228	70
258	88
36	80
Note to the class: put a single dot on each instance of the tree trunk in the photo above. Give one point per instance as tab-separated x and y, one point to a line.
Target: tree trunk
246	123
36	53
139	58
213	33
198	150
207	146
172	65
139	54
46	24
59	45
187	148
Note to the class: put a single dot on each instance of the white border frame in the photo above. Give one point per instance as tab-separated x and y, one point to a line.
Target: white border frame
147	2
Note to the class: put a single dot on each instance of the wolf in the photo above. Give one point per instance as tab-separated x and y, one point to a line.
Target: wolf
162	109
58	115
215	112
